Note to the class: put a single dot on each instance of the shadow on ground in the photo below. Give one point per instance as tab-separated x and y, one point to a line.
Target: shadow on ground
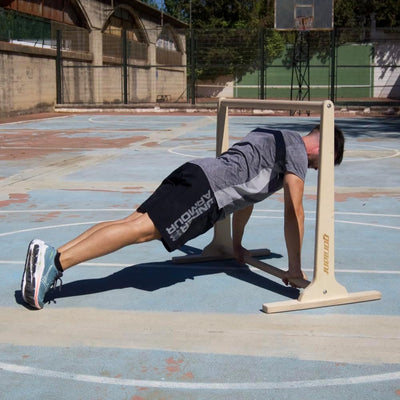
157	275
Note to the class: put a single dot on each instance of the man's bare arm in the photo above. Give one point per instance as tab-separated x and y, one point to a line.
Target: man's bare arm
294	224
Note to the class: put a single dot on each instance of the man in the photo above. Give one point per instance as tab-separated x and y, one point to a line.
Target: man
192	199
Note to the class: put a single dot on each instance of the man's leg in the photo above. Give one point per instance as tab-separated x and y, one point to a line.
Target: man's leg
95	228
42	265
108	237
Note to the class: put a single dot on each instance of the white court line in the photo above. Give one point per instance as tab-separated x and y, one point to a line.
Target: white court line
48	227
194	266
92	264
367	214
68	210
336	213
367	224
173	150
356	380
96	222
42	148
337	221
39	228
396	153
105	120
28	121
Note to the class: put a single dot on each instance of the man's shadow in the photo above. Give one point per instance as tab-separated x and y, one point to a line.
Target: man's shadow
157	275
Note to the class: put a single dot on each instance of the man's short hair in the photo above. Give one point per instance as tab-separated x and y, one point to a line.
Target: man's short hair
339	144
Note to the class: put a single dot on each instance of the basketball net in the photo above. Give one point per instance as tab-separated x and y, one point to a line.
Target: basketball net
303	23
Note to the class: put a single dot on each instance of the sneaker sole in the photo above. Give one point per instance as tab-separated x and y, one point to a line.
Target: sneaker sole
24	277
34	267
27	277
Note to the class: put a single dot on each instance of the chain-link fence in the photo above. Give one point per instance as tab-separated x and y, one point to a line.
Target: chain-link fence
122	70
126	67
240	63
303	65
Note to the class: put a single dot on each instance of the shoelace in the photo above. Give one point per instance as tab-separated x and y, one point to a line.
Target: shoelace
58	279
53	287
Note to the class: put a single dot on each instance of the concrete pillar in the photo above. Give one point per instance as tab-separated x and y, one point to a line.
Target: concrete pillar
96	48
153	73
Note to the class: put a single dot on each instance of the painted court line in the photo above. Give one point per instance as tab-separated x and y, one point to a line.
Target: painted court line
338	221
213	267
396	153
48	227
368	379
28	121
255	216
175	150
368	224
336	213
66	210
43	148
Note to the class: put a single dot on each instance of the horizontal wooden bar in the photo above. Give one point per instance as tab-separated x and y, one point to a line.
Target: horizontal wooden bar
276	104
270	269
197	258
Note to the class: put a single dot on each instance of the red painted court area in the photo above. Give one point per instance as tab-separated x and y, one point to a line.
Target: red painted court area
134	325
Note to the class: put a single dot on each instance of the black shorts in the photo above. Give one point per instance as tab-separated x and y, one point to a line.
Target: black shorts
182	207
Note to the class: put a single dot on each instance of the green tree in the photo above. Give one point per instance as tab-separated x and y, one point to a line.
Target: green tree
152	3
387	13
206	14
235	13
226	34
356	13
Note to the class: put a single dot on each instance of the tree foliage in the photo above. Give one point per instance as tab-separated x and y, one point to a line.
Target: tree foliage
236	13
152	3
356	13
206	14
226	32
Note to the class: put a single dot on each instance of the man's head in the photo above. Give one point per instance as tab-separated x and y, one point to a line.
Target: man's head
312	145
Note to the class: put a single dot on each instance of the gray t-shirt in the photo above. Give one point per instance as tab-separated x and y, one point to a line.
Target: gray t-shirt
253	168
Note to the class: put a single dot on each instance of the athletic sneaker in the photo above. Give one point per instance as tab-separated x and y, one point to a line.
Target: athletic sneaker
40	273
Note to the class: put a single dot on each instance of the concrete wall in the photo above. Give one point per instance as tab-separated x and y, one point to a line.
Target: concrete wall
27	80
386	75
28	74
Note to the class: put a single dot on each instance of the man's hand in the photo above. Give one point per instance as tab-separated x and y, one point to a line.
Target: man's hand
290	277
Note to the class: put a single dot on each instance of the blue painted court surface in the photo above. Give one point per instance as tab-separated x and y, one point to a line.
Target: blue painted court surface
133	325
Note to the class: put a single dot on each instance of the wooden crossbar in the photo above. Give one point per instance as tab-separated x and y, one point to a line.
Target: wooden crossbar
323	290
271	104
277	272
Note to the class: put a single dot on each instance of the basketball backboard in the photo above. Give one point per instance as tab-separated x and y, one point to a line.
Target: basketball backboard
303	15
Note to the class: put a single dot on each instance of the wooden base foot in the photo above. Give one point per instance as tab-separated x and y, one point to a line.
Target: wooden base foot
293	305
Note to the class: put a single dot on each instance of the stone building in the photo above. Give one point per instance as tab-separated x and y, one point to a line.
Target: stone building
88	52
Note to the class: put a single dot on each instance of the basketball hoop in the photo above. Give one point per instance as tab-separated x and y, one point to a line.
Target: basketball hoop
304	23
303	15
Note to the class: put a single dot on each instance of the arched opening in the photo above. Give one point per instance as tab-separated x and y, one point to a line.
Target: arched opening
62	11
36	23
169	48
123	19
